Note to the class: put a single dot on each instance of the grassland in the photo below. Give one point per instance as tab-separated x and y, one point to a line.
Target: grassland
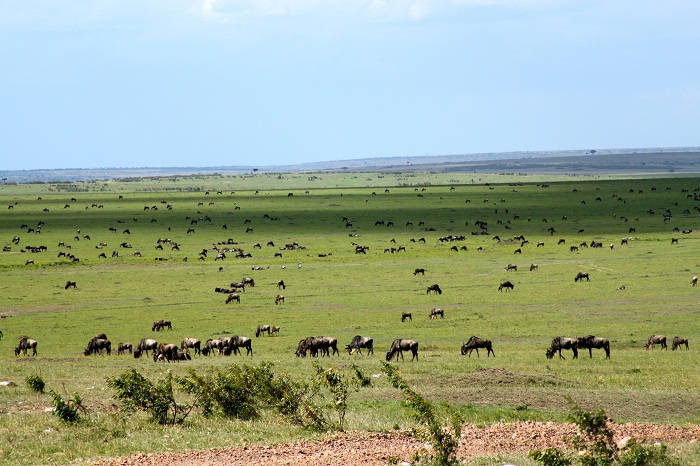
333	291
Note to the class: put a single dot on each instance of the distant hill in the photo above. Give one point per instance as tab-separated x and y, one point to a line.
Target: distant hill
649	160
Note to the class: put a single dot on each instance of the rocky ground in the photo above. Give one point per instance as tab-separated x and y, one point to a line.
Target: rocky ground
362	448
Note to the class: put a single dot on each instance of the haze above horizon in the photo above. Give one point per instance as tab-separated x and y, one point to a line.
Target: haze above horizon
121	83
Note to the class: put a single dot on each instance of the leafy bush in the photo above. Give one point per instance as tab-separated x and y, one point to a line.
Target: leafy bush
596	447
444	440
36	383
68	411
137	392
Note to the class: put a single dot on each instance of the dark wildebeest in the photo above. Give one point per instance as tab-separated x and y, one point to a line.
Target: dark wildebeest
96	345
694	281
262	329
399	346
560	343
211	345
314	344
281	285
145	344
191	343
434	288
233	297
581	276
419	271
360	342
165	351
25	344
406	315
124	347
437	312
678	341
510	267
475	343
591	341
161	325
275	330
248	282
657	340
279	299
71	284
507	285
534	267
236	342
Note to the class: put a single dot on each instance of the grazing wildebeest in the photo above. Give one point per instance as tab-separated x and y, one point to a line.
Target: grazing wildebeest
591	341
534	267
581	275
279	299
399	346
71	284
161	325
360	342
419	271
165	352
275	330
124	347
510	267
96	345
434	288
191	343
678	341
474	343
507	285
233	297
435	312
657	340
281	285
560	343
694	281
406	315
236	342
248	282
314	344
145	344
262	329
25	344
518	251
211	345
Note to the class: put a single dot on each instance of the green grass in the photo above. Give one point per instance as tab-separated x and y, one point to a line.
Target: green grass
344	294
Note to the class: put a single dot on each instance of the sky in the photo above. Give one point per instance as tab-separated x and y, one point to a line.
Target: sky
191	83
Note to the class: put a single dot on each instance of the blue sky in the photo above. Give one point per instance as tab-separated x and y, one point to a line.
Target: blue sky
147	83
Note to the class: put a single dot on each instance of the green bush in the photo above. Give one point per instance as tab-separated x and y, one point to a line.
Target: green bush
67	411
36	383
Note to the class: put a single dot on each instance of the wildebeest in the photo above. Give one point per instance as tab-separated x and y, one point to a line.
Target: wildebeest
275	330
161	325
248	282
507	285
281	285
233	297
279	299
165	351
474	343
191	343
419	271
211	345
70	284
510	267
236	342
360	342
399	346
657	340
560	343
25	344
678	341
406	315
316	344
434	288
581	275
262	329
534	267
145	344
124	347
96	345
694	281
591	341
435	312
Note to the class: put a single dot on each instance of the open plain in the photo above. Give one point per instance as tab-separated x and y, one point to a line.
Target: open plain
347	247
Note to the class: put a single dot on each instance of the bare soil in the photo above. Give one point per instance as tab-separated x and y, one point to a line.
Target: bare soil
363	448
